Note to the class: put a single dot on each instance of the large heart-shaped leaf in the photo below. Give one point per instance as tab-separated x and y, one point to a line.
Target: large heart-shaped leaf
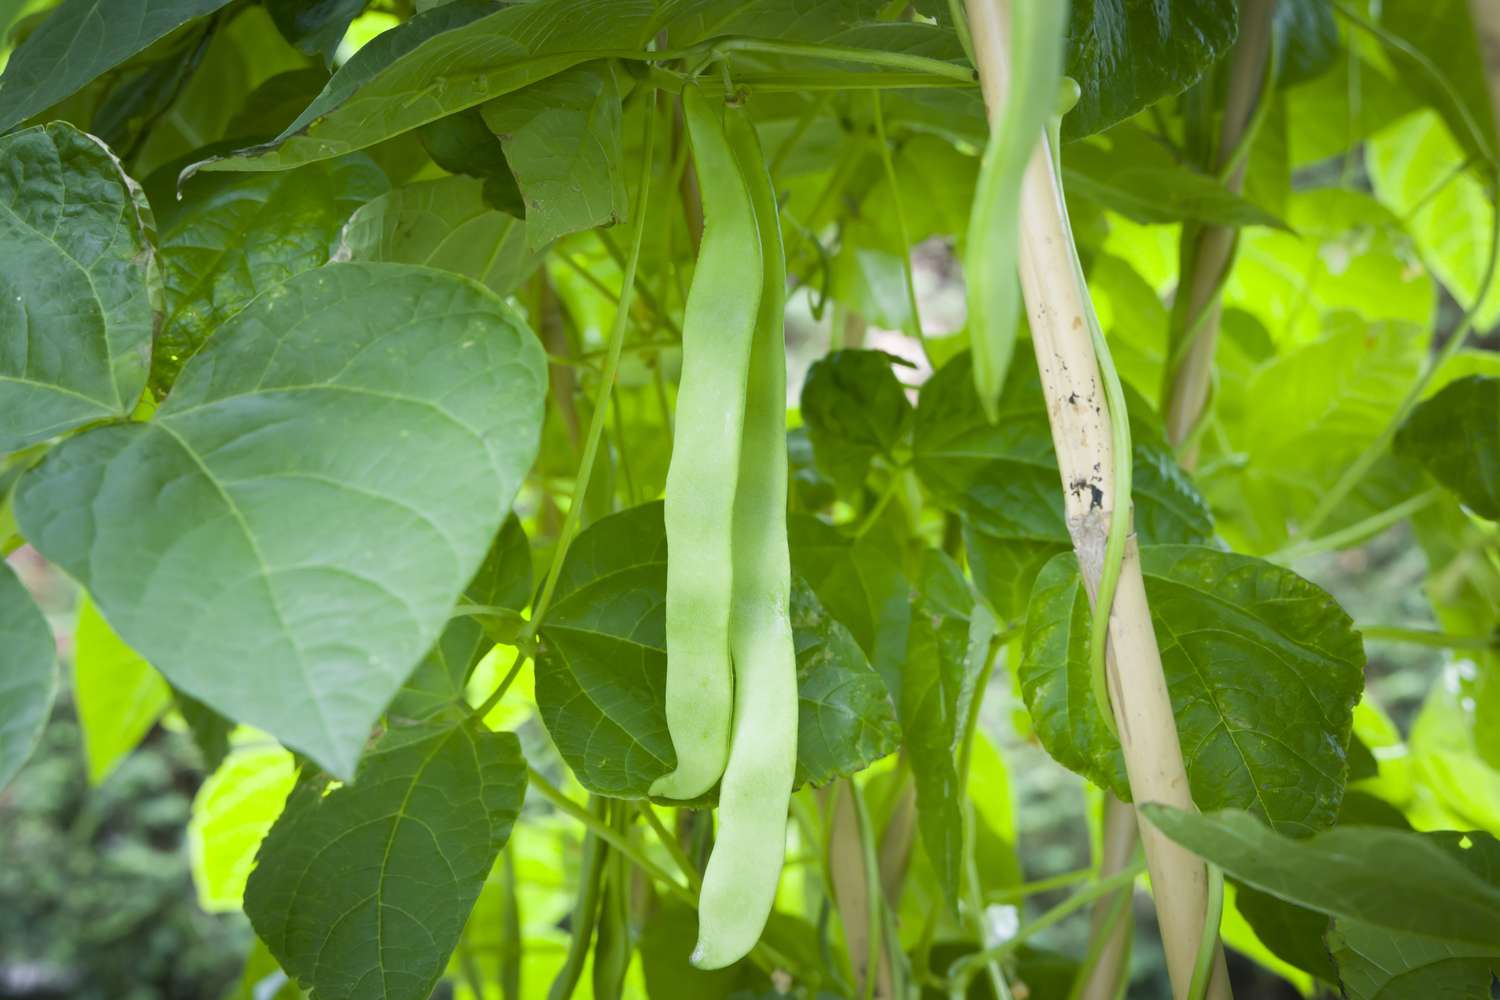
78	286
363	892
286	538
80	40
1456	436
1263	669
28	673
601	669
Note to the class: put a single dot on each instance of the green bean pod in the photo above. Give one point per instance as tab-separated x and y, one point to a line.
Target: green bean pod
739	884
718	327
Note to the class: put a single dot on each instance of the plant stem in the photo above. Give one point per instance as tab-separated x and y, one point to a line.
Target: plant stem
901	230
866	57
606	380
1429	637
1358	532
679	856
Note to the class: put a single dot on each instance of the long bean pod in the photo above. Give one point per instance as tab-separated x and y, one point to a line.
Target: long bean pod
718	326
739	884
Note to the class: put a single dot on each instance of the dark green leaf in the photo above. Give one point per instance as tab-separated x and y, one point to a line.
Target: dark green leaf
601	668
854	409
28	673
503	582
1414	883
445	224
1306	38
1003	479
1453	81
324	479
1263	669
79	289
1379	964
1293	933
463	144
450	58
243	235
1128	54
562	141
210	730
1455	434
1128	171
142	97
79	41
314	26
364	891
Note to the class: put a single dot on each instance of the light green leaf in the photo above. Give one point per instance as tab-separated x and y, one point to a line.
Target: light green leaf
244	235
363	891
854	409
1456	436
28	674
232	813
601	668
503	584
1415	170
447	59
1414	883
1127	170
1379	964
1263	669
444	224
118	695
81	40
321	484
1002	478
1129	54
79	288
562	141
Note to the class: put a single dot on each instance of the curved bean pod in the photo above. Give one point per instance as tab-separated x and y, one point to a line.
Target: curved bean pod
739	884
717	330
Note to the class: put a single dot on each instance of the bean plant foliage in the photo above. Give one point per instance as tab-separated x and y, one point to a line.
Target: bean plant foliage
346	347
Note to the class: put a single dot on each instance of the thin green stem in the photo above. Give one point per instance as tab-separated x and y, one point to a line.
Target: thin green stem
889	166
679	856
1099	942
606	380
1203	962
1428	637
874	897
489	703
866	57
964	969
873	517
805	121
961	28
974	901
1358	532
1050	884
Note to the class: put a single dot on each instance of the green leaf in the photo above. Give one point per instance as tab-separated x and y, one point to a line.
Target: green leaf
363	891
1448	212
1444	32
444	60
232	813
81	40
1129	54
1292	933
28	676
1263	669
262	978
244	235
845	719
854	409
1306	40
321	484
1127	170
1379	964
445	224
315	26
1002	478
1455	434
79	288
601	668
502	583
562	140
118	695
946	653
1416	883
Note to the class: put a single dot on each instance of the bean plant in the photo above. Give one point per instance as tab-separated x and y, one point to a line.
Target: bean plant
621	491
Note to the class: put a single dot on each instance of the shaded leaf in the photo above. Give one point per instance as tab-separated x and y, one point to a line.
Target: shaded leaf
1263	669
1306	40
1453	81
314	26
324	479
79	287
601	668
28	674
364	891
79	41
1438	885
446	224
117	694
854	409
242	236
1379	964
1455	434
